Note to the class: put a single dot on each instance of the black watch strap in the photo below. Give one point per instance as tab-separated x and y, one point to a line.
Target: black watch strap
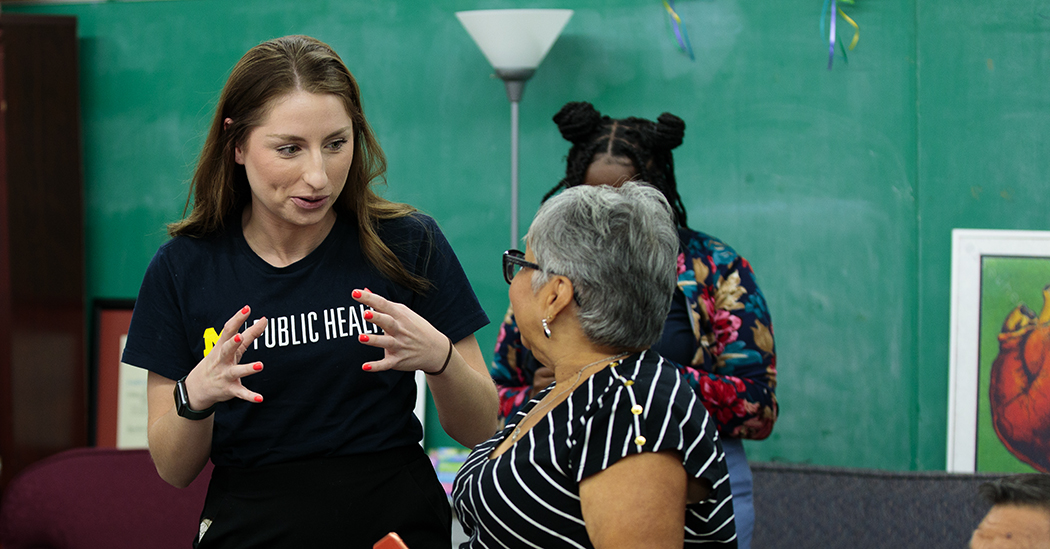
182	403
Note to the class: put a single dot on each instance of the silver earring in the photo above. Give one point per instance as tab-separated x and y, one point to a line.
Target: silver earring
546	329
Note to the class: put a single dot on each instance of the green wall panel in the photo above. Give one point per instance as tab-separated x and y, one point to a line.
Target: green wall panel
984	133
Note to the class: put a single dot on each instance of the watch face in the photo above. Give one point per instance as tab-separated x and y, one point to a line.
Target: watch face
182	403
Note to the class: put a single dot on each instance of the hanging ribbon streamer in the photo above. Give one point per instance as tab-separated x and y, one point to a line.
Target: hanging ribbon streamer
831	35
856	29
824	12
679	29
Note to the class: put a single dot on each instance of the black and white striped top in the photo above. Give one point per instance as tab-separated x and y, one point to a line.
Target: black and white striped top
529	495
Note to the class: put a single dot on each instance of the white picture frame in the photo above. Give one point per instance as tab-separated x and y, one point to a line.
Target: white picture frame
969	247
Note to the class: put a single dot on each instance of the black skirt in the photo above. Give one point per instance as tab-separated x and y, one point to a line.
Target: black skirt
350	501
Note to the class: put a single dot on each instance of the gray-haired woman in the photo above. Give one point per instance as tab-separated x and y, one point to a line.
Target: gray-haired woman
618	451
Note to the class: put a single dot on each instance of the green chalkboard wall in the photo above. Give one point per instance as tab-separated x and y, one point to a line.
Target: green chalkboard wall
841	187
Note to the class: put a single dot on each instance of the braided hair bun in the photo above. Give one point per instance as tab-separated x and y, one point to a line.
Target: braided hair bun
577	121
644	144
667	132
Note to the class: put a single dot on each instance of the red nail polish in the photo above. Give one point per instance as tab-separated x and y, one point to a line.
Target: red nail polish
356	294
257	366
367	290
258	398
368	315
363	338
237	338
367	367
245	310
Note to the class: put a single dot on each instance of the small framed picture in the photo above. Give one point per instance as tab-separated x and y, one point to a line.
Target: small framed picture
998	402
118	397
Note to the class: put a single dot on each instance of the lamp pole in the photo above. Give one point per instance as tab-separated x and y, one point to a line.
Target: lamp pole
513	174
514	80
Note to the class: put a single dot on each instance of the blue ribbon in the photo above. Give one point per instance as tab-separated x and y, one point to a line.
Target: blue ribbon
679	29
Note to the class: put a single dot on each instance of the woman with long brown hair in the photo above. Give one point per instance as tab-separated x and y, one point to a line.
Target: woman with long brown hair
303	398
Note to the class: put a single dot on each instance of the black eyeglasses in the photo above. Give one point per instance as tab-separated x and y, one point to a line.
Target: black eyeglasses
513	261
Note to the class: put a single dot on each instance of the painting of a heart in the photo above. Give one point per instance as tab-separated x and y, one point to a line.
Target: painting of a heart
1014	410
1019	385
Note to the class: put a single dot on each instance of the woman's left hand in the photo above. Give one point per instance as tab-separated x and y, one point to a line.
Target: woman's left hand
409	342
464	395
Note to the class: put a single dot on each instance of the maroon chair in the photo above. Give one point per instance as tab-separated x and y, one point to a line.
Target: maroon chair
88	498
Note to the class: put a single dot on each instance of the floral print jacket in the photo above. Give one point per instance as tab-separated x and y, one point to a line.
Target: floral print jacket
734	367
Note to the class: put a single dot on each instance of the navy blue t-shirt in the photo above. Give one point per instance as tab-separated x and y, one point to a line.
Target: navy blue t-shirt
318	401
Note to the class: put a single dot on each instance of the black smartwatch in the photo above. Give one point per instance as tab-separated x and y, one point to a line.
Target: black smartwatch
182	403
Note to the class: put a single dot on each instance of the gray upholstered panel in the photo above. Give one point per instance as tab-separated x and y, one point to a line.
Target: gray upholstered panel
826	507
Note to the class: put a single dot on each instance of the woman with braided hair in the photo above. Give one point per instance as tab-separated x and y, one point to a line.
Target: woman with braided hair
718	329
607	150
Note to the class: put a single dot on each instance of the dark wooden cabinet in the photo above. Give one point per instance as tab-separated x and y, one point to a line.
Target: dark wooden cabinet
43	407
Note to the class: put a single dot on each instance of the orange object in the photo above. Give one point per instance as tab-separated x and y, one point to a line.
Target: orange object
390	541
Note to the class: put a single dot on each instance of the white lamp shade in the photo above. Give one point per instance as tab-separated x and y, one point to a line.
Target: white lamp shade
514	39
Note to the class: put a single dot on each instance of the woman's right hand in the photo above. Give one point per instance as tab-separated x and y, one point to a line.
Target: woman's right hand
180	447
217	378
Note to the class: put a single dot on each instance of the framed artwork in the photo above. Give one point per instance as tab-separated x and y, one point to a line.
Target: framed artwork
999	376
118	402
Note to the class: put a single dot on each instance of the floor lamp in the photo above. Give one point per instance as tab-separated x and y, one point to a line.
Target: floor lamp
515	43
